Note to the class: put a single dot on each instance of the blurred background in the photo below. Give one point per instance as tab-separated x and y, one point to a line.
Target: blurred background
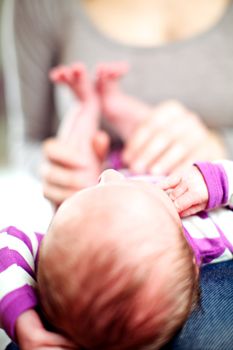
21	199
3	153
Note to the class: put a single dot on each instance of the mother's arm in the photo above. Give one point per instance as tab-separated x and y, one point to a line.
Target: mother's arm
29	51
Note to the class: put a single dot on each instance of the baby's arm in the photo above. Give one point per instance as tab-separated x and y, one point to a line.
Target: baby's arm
17	276
18	253
205	186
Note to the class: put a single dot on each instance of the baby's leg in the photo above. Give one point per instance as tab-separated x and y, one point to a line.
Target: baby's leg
123	111
81	122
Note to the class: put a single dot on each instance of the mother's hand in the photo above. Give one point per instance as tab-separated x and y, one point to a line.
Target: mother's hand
169	140
63	172
32	335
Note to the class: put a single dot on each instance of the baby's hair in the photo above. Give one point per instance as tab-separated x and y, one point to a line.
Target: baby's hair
114	301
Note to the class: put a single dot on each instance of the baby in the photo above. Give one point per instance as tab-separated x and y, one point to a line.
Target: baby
120	237
117	268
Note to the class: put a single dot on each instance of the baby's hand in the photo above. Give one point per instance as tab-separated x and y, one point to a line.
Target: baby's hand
32	335
188	191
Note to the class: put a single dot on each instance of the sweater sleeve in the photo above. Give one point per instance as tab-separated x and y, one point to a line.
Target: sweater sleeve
29	48
18	254
218	177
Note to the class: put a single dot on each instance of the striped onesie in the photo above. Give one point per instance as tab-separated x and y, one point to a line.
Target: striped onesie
209	233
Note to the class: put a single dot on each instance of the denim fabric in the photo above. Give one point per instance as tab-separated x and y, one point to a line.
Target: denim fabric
12	346
210	326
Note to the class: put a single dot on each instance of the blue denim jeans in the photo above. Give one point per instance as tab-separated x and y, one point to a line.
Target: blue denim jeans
210	326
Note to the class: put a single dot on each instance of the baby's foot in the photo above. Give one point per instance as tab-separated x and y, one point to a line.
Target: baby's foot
76	78
123	111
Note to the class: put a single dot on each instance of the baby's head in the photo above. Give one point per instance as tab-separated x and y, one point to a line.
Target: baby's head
115	271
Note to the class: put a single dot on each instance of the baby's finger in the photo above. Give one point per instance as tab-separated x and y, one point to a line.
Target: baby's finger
193	210
56	194
184	202
169	182
178	191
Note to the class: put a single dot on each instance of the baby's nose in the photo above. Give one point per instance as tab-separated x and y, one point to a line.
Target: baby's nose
110	175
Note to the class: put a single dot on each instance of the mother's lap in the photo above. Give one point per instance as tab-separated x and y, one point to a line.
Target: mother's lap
210	325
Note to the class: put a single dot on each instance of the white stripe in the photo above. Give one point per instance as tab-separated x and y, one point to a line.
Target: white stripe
15	243
4	340
200	228
34	242
224	219
12	278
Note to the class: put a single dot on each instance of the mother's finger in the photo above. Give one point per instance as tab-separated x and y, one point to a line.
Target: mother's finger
157	146
162	117
56	194
173	156
178	152
57	175
56	151
149	153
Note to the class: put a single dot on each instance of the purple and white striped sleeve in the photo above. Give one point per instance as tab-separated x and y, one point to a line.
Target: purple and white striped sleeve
18	254
218	177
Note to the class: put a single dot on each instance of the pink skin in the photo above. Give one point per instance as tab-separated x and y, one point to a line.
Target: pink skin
81	122
188	191
123	111
76	77
31	334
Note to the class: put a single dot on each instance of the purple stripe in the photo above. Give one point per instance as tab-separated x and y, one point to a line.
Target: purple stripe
205	249
203	215
193	246
9	257
217	183
209	248
13	231
224	239
14	304
39	237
